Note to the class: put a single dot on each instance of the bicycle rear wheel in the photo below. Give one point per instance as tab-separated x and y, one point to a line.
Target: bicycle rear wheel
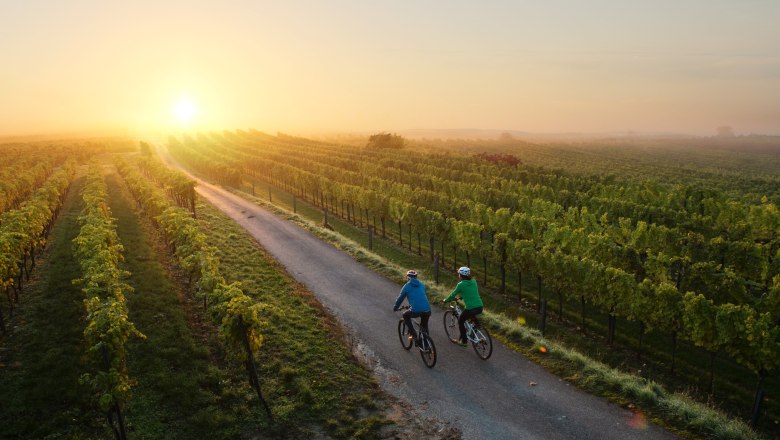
483	348
428	351
451	326
403	335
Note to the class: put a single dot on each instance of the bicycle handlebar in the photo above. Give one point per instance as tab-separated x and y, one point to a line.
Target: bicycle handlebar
456	302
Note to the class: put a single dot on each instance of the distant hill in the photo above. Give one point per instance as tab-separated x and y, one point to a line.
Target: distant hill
459	133
479	133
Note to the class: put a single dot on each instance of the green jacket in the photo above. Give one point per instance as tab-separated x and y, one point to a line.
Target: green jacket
469	292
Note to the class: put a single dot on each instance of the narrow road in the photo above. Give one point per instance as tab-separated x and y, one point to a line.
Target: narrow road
493	399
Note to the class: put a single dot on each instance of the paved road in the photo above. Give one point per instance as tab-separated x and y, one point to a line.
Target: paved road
491	399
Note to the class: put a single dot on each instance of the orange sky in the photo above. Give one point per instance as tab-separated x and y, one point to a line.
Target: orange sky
353	66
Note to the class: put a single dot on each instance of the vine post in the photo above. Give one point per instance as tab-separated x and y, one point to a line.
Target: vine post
119	431
759	398
251	368
436	268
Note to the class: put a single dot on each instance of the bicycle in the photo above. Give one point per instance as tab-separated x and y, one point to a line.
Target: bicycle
424	342
475	333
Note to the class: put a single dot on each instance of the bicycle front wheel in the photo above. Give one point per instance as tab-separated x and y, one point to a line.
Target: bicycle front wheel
483	348
451	326
403	335
428	351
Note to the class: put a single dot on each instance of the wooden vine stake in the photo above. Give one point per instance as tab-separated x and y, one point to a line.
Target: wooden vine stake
251	368
119	431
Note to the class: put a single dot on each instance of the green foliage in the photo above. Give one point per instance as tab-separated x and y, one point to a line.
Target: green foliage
23	230
237	313
753	339
99	252
699	317
225	170
631	246
678	410
386	140
43	353
227	303
183	388
177	186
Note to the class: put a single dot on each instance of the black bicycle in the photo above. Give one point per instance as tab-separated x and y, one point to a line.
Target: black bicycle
475	333
423	341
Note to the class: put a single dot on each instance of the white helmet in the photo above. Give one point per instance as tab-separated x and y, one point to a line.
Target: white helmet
465	271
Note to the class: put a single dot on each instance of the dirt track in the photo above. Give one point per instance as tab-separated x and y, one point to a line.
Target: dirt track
492	399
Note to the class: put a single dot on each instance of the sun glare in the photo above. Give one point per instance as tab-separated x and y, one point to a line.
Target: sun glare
185	111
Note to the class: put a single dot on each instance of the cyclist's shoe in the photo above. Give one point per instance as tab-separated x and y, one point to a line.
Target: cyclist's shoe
462	344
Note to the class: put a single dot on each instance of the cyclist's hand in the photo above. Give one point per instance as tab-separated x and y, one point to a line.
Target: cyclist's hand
395	309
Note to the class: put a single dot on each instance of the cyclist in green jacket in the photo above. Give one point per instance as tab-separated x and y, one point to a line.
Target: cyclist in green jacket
467	289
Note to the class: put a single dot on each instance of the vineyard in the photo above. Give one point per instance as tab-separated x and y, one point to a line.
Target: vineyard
689	265
123	318
133	309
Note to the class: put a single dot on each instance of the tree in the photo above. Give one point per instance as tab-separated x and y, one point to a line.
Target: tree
725	131
386	140
506	136
145	148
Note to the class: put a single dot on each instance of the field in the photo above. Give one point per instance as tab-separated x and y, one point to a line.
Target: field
658	257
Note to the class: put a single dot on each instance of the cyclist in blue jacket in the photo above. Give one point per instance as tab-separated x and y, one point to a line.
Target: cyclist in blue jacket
414	292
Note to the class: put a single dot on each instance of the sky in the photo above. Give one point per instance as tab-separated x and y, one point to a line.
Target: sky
361	66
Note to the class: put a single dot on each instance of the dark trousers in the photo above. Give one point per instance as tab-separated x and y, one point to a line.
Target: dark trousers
466	314
408	315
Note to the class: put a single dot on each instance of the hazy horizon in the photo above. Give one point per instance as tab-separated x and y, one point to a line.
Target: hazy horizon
350	66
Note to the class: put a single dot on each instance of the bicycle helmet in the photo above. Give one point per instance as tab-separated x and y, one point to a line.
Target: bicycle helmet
465	271
411	273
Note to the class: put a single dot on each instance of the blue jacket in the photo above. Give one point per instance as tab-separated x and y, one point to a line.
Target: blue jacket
414	290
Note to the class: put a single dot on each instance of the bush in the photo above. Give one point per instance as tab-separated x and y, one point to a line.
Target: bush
386	140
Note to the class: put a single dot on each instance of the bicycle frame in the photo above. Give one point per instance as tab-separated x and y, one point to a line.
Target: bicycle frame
471	335
476	334
423	341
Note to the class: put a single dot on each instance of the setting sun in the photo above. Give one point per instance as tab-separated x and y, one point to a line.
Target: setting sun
185	111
